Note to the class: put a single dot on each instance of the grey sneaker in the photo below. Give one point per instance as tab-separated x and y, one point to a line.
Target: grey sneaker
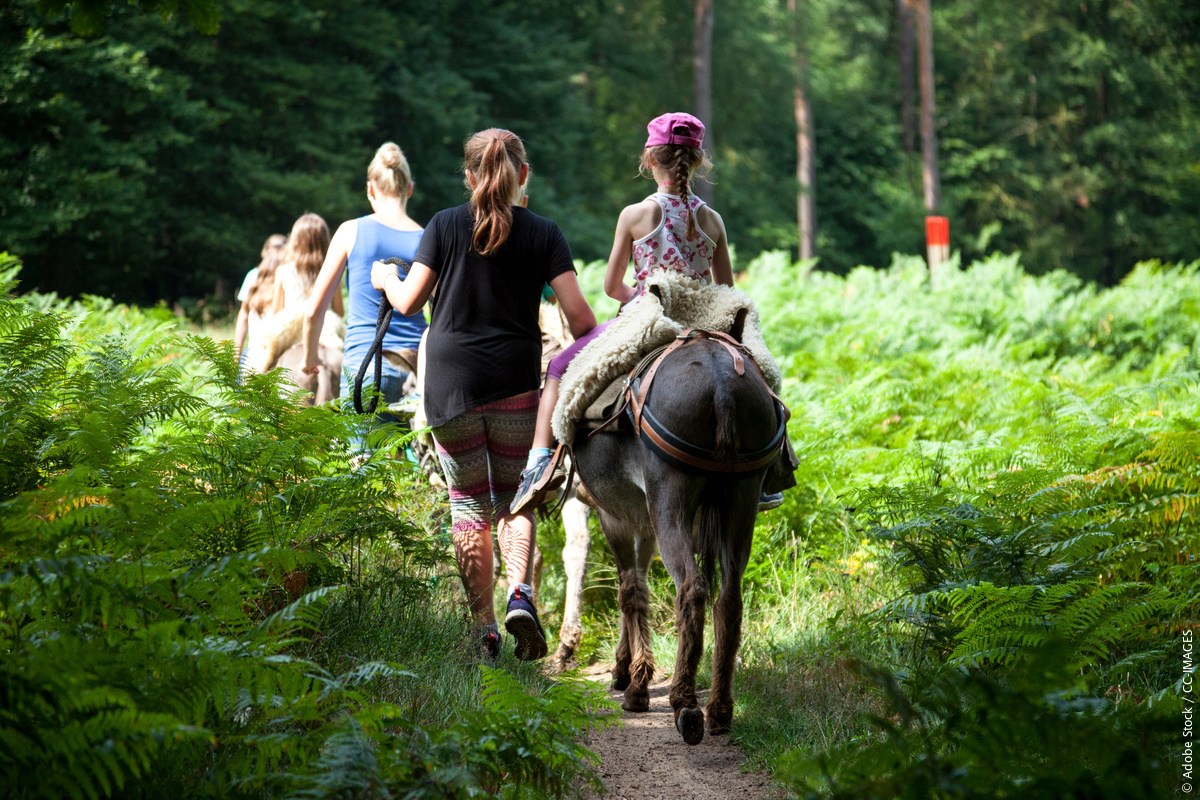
536	482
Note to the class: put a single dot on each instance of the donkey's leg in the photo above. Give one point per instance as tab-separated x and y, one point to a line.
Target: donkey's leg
634	664
672	524
574	556
727	611
641	670
622	550
623	657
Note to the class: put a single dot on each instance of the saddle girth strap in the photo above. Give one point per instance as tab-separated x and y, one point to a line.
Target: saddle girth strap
674	448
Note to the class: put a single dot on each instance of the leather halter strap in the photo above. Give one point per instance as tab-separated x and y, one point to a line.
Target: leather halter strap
670	447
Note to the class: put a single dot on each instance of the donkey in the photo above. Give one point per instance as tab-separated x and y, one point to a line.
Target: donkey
576	545
325	385
701	520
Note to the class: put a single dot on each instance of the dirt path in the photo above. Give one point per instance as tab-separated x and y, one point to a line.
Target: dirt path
646	758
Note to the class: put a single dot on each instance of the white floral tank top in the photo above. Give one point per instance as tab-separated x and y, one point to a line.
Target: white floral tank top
668	247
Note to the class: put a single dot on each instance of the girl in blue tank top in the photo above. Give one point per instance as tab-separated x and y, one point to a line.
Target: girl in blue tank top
386	233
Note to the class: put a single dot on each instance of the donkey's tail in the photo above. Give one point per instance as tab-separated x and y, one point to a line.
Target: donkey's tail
712	543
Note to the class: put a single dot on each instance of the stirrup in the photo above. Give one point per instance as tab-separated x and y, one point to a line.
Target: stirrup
537	492
560	453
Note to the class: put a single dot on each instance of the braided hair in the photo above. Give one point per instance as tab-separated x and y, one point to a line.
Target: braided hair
679	161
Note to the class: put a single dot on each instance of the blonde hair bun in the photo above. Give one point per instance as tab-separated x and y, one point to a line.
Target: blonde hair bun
391	155
389	170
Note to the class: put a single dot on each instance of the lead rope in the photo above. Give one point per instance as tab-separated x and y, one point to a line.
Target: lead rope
382	323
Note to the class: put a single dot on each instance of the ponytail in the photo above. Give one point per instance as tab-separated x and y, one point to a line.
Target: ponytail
494	157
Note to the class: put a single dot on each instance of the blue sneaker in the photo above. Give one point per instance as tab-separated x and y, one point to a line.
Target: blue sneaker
766	502
489	645
523	625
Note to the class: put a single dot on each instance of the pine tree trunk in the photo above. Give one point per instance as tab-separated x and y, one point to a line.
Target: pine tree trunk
908	118
702	83
929	172
805	201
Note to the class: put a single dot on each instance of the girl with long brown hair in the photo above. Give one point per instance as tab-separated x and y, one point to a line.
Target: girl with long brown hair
306	247
257	294
488	260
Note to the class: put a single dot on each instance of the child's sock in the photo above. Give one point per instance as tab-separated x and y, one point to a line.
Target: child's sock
526	592
535	454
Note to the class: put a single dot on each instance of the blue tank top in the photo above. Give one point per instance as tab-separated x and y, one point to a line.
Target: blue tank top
373	242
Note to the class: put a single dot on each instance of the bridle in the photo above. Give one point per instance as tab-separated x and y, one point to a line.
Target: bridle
675	450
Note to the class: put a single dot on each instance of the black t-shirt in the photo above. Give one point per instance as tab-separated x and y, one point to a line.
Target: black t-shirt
484	342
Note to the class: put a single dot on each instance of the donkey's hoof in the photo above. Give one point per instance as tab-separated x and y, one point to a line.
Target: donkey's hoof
636	702
690	724
719	721
620	683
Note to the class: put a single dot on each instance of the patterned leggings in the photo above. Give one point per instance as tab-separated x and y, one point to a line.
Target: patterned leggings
483	452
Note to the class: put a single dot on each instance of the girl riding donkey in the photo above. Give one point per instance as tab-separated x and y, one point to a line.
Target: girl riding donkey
671	230
488	261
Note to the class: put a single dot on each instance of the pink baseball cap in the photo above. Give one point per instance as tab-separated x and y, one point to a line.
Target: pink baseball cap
676	127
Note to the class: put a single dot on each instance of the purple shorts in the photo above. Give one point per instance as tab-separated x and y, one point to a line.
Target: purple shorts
559	364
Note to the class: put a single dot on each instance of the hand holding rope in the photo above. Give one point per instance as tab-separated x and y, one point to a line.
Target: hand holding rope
382	323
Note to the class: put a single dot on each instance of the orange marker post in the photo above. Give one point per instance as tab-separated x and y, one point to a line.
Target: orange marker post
937	240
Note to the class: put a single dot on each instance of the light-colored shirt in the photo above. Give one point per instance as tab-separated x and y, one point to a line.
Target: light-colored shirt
668	247
244	292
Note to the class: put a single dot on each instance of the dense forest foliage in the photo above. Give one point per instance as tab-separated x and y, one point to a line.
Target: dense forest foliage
150	160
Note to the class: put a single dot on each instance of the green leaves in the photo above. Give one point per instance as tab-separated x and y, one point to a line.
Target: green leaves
1000	479
89	17
170	546
514	744
969	734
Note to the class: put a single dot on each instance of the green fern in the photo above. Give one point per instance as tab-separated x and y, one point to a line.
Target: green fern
170	543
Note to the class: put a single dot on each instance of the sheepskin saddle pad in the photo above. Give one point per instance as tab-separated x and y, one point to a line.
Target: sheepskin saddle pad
671	304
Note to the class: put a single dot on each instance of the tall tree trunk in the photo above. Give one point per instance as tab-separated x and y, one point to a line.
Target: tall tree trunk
702	82
806	218
908	118
929	172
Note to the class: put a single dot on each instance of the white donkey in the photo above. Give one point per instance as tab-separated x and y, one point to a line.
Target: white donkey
575	515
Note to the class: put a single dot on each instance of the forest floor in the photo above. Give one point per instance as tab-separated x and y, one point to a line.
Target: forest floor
645	758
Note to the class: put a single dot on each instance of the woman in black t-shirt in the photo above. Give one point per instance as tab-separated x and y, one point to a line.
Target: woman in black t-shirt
488	261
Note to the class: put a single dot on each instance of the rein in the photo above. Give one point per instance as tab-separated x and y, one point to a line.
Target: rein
382	323
675	450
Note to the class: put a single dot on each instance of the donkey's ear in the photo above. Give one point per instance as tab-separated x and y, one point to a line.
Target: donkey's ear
739	323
